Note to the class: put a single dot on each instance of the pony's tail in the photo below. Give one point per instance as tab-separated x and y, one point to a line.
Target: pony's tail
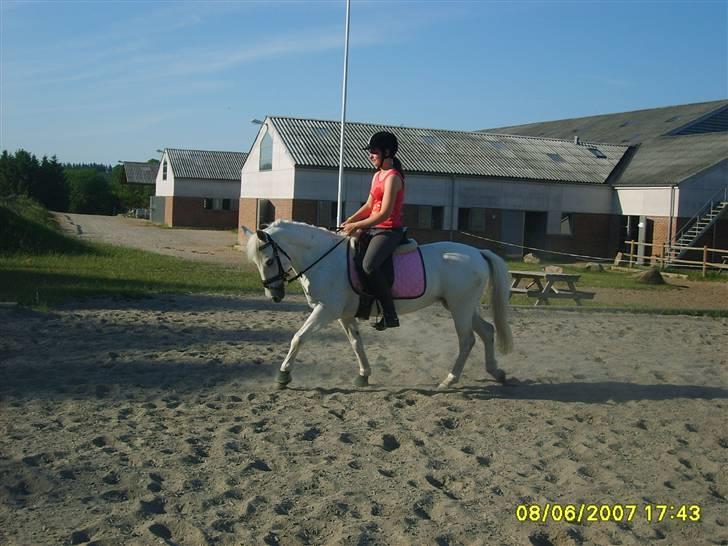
500	290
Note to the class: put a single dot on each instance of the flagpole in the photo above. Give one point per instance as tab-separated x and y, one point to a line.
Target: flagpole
339	204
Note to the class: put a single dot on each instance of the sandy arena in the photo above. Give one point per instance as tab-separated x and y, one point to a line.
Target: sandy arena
156	422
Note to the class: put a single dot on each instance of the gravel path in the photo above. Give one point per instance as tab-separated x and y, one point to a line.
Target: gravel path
192	244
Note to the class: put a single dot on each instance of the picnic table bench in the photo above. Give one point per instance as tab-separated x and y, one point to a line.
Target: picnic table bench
546	286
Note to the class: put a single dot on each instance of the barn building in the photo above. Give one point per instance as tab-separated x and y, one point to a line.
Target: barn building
539	192
675	179
198	188
580	186
141	174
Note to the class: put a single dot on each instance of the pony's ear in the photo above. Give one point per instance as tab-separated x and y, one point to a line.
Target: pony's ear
262	235
246	231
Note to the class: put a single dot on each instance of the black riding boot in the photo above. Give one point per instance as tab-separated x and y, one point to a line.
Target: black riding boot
383	292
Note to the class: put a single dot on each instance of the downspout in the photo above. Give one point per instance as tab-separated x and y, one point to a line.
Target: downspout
669	221
453	215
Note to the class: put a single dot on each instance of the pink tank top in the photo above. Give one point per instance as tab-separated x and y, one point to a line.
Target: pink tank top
377	193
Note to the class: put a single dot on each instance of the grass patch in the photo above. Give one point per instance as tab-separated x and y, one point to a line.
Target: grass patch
46	280
41	267
26	227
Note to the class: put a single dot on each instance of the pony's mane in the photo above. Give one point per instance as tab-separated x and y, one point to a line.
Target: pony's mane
278	225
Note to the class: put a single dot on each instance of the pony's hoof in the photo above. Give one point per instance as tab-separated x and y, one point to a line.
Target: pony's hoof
500	376
361	381
283	379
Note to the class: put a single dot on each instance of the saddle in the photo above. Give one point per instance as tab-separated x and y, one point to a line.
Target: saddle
404	271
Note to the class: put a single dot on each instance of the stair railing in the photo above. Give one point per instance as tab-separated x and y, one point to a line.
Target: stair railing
721	193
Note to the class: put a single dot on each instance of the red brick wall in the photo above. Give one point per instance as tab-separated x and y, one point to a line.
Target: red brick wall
595	235
305	210
189	212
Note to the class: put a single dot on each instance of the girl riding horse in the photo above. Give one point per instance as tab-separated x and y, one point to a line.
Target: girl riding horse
381	218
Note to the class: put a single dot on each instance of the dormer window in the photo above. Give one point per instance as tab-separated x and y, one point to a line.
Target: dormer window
164	170
266	152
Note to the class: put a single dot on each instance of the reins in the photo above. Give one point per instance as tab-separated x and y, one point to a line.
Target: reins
282	275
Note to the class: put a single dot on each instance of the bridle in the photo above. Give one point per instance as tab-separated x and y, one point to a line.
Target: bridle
282	275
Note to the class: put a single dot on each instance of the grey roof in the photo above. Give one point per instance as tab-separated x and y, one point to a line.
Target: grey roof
315	143
140	173
205	164
667	152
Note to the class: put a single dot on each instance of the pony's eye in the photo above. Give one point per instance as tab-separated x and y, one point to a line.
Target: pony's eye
269	261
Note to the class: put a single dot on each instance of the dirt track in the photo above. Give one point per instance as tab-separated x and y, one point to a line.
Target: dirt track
192	244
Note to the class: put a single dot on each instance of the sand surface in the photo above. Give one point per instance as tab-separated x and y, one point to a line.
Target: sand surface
154	421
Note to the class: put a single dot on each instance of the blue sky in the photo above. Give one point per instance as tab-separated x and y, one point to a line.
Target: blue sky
105	81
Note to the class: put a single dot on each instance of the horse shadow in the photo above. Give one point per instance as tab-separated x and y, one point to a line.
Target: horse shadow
569	392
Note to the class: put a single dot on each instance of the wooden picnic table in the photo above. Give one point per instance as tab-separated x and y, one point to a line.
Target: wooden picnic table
547	289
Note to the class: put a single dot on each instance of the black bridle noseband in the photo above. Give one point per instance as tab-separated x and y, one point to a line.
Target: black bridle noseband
282	275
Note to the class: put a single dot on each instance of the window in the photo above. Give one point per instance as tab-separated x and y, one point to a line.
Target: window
207	203
557	158
266	153
217	204
430	217
597	153
430	139
326	213
164	170
226	204
472	219
424	217
567	227
322	132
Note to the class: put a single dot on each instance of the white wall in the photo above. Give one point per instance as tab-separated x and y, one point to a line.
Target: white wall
643	201
274	184
164	187
698	189
321	184
224	189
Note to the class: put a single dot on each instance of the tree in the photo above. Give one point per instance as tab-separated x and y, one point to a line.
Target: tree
89	192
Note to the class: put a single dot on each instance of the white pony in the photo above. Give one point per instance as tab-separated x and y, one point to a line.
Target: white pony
456	277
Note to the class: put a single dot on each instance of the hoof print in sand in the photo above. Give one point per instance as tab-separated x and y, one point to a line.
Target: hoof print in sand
154	506
311	434
389	443
79	537
157	529
259	464
115	495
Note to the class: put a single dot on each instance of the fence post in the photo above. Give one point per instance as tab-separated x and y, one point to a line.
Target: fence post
631	252
705	258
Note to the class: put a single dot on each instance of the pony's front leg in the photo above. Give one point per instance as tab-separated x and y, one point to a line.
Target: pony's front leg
319	317
352	332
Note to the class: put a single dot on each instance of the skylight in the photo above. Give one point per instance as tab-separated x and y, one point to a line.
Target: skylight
430	139
557	158
597	153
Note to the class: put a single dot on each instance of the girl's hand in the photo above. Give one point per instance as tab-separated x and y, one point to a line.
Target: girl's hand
349	227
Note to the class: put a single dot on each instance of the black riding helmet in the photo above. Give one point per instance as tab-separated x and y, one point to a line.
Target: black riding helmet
383	140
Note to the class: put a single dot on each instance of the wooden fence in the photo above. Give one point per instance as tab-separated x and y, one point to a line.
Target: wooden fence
663	260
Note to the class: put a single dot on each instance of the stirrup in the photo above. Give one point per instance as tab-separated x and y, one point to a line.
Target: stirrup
386	322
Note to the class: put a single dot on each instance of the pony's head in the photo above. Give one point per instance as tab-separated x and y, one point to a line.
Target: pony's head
272	262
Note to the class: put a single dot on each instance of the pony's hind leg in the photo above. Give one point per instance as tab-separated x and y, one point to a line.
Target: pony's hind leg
466	339
486	332
352	332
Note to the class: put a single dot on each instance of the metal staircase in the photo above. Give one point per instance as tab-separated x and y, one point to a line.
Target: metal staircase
696	227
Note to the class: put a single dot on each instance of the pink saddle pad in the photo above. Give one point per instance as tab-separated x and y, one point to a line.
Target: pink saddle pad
410	279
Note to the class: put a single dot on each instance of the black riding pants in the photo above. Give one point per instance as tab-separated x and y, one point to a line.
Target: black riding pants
381	247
